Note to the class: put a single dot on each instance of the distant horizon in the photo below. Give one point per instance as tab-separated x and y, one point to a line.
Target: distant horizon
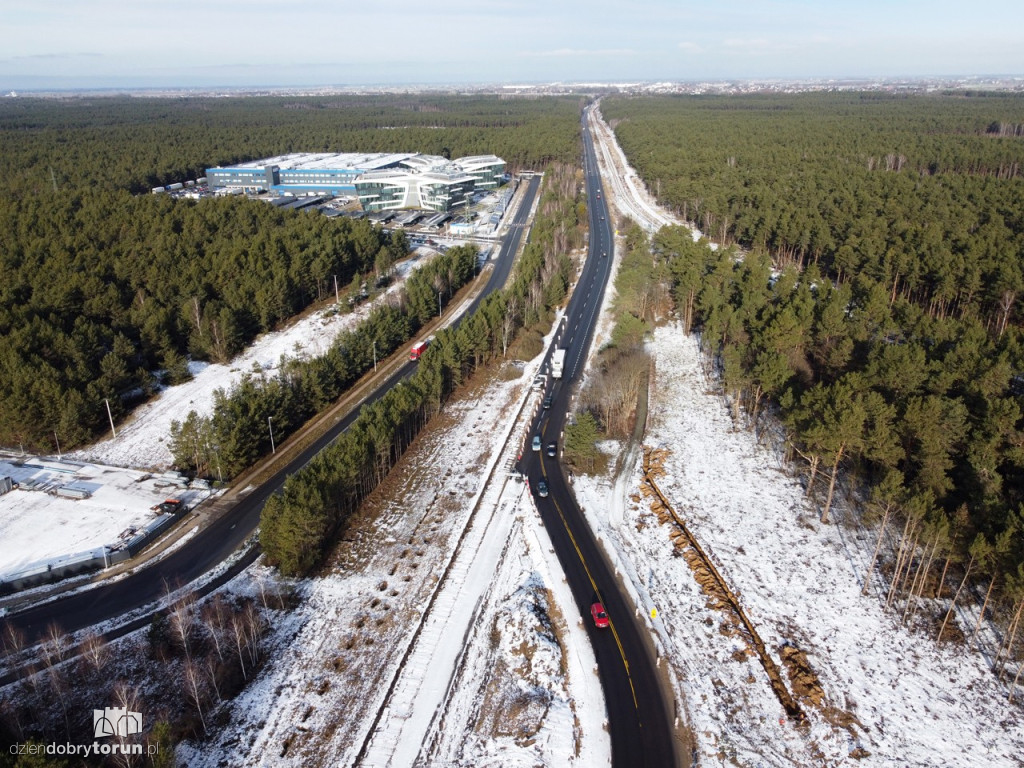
52	45
1001	81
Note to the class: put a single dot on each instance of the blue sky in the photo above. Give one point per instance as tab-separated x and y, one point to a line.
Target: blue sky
140	43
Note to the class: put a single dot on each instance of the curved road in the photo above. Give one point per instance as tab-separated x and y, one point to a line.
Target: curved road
639	721
212	545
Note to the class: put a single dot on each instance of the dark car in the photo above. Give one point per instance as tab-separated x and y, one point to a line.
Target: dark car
600	617
542	488
552	449
548	400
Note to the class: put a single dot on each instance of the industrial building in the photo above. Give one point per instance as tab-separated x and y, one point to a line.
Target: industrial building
382	181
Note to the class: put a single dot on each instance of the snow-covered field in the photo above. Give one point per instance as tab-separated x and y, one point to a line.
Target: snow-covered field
888	691
527	672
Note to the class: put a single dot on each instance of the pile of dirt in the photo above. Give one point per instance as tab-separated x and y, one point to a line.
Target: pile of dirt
653	468
802	678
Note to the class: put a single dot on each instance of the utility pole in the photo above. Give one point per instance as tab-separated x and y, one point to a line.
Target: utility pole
58	443
271	428
374	355
216	452
438	303
337	299
111	417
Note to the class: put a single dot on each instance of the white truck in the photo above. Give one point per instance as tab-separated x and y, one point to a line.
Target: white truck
557	363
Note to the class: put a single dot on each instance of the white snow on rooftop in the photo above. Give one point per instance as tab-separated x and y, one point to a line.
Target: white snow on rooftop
306	161
36	524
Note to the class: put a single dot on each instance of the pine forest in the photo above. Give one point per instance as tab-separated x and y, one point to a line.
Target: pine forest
108	290
867	293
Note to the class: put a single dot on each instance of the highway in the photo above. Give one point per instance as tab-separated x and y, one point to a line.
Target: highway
215	543
630	193
640	722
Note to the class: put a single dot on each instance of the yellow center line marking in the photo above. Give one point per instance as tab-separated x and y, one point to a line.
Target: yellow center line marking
611	624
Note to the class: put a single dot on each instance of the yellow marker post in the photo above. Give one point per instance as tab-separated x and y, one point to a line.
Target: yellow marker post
654	613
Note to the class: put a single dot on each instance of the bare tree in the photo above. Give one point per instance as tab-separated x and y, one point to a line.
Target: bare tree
182	620
213	669
886	496
1015	591
214	615
94	650
54	646
241	637
1006	302
254	627
127	697
613	393
977	549
261	581
59	686
937	533
195	687
904	555
508	322
12	639
1013	686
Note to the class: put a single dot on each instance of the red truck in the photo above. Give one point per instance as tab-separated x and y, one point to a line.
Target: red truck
418	349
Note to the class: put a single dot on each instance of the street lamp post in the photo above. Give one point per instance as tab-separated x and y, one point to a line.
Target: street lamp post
271	428
374	355
111	417
438	303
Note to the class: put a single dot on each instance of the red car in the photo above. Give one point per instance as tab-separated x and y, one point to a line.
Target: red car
600	617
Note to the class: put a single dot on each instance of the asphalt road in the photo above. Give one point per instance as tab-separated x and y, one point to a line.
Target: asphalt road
215	543
639	719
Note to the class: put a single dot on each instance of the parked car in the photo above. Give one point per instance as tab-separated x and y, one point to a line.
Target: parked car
542	488
552	449
536	442
600	617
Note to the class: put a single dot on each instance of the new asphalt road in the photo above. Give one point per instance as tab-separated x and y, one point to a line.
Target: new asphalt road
639	719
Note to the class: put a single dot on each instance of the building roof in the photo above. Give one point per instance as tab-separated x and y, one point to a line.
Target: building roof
479	160
373	163
330	161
